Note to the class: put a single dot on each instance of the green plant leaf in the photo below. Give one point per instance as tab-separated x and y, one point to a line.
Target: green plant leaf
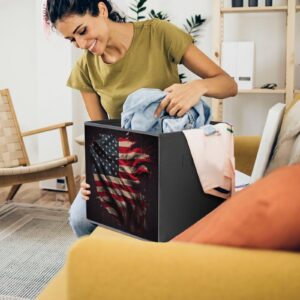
141	3
133	10
142	9
193	26
138	7
158	15
182	76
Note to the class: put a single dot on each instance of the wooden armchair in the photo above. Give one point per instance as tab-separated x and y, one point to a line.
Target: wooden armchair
15	168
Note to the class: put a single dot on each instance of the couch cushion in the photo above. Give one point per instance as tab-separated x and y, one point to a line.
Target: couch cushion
100	267
56	288
264	215
245	151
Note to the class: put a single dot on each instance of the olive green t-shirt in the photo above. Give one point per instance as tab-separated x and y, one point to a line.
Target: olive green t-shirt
150	62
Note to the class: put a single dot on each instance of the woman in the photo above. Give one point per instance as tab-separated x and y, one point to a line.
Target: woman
120	58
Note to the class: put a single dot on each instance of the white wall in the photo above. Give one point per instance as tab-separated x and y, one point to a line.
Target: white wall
18	63
35	70
54	99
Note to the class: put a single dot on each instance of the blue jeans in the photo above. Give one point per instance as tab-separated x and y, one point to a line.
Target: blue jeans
78	221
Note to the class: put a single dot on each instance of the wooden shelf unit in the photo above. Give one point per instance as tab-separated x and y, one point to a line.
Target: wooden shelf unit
254	9
263	91
290	10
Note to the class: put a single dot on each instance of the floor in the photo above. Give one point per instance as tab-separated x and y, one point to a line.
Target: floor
31	193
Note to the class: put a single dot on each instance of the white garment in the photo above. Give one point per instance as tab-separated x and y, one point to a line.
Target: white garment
287	150
213	157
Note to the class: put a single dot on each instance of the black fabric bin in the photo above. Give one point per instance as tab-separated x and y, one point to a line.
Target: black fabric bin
151	189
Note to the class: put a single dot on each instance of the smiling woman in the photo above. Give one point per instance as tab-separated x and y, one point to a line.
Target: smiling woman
92	33
120	58
76	15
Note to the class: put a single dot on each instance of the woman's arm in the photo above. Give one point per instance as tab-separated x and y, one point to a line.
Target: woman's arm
217	82
93	106
214	83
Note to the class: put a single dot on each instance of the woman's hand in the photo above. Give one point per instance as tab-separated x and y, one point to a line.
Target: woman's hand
85	189
181	98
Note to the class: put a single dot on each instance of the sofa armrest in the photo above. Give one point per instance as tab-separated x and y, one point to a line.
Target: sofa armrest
100	267
56	288
245	151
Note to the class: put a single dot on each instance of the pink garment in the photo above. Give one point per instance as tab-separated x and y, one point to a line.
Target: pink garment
213	156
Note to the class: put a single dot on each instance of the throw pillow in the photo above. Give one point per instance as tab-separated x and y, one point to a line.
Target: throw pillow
264	215
289	132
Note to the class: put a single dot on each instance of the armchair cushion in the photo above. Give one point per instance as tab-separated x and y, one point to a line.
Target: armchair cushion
264	215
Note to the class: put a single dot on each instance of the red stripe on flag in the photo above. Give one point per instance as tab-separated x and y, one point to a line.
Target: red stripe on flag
113	185
120	199
133	163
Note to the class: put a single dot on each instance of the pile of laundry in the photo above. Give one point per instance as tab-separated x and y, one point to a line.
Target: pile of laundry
211	146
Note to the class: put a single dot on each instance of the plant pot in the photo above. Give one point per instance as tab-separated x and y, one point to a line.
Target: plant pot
237	3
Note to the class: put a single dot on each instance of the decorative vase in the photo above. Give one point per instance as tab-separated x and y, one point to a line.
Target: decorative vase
269	2
253	2
237	3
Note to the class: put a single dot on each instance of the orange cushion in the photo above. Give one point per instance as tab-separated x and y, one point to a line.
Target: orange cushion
264	215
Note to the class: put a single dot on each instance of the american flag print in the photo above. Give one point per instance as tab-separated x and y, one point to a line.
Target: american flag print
119	168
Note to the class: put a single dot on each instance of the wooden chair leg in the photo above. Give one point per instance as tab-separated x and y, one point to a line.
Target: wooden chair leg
71	183
14	189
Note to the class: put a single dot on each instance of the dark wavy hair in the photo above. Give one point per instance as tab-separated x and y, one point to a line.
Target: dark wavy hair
55	10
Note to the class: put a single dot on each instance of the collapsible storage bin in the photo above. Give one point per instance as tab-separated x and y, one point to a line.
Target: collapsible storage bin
142	183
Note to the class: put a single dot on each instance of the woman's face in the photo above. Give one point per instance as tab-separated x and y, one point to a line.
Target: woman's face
87	32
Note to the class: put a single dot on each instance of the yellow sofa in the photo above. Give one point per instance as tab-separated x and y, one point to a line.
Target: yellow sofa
110	265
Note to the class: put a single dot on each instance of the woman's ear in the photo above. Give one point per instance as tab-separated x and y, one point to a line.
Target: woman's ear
103	11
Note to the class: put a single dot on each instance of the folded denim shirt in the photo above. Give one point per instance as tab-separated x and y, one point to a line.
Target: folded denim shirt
139	108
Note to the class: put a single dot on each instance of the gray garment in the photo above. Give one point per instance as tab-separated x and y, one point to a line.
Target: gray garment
139	108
